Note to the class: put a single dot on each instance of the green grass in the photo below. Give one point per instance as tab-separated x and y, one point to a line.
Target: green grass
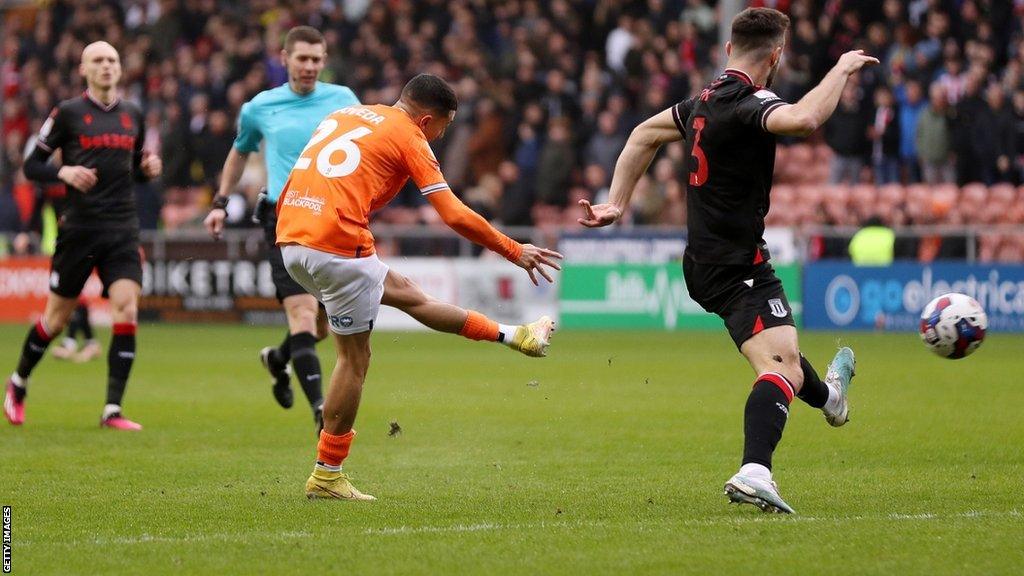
606	458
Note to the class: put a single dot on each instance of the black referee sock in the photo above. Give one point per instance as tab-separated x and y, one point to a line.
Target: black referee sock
32	351
765	417
307	366
75	324
814	392
120	358
82	316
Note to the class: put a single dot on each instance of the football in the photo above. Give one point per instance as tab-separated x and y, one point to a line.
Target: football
953	325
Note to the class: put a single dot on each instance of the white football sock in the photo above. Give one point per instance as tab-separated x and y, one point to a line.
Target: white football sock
832	404
327	467
18	381
110	409
507	333
756	471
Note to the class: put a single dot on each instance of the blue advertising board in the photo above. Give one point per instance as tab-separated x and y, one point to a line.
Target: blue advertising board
838	295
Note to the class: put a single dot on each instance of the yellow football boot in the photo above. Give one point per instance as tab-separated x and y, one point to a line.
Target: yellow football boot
532	339
333	485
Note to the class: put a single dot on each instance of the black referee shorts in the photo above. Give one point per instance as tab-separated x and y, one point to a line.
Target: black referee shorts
284	285
114	254
749	298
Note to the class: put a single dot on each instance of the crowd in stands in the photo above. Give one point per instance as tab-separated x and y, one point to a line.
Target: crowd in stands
549	91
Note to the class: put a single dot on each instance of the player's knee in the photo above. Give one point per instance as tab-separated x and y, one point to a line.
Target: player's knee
303	318
405	293
788	364
127	311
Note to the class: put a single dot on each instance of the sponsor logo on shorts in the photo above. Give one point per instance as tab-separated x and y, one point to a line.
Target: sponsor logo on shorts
54	279
314	204
778	310
341	321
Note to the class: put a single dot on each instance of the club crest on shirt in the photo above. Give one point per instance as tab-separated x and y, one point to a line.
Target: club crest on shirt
314	204
778	310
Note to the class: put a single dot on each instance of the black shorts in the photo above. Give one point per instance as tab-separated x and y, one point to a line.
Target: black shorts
283	282
114	254
749	298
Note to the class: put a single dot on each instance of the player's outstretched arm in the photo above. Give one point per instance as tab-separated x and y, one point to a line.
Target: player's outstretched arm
234	165
817	106
643	144
473	227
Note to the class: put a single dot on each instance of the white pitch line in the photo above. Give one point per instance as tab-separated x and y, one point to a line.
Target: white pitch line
495	527
692	522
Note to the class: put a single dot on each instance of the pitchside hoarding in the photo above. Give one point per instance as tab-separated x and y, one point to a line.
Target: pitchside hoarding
842	296
491	286
25	285
625	279
643	296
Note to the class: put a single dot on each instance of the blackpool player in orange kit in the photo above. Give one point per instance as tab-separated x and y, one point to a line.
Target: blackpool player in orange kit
358	158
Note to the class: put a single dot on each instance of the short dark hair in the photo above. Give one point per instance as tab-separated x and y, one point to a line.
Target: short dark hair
758	30
431	92
303	34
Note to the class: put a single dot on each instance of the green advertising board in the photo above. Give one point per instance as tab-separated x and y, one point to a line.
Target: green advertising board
644	296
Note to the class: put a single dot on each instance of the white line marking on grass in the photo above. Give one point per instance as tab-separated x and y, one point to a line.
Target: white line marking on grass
146	538
740	520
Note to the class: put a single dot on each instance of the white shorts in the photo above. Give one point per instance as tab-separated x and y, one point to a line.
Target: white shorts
349	288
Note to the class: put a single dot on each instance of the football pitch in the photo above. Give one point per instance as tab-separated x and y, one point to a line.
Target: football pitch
608	457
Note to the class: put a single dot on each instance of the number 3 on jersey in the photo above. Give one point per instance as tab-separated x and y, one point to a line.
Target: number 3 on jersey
700	176
342	143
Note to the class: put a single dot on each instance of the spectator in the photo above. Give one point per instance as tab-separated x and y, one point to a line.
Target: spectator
846	134
911	103
1018	124
885	137
997	120
933	139
516	197
605	146
972	144
486	146
953	80
619	43
556	162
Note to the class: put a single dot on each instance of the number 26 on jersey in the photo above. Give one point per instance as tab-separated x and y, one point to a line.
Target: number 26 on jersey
326	146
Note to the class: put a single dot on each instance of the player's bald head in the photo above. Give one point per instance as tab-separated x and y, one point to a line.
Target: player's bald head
100	66
99	47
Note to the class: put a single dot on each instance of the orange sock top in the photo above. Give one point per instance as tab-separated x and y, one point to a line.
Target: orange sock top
479	327
332	450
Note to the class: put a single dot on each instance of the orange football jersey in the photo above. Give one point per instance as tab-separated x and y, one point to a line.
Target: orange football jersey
357	160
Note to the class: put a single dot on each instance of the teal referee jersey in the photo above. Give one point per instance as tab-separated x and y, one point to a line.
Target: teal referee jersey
286	121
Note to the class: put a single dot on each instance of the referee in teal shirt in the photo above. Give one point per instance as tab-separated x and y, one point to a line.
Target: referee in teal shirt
284	118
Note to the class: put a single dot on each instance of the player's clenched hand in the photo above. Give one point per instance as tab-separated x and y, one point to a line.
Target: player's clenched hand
214	222
854	60
151	164
78	177
535	258
599	214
